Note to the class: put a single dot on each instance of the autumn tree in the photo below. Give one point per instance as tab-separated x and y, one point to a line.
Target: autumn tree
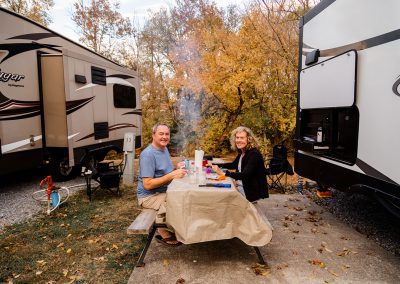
227	67
36	10
101	27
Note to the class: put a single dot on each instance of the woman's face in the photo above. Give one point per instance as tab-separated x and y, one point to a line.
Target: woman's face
241	140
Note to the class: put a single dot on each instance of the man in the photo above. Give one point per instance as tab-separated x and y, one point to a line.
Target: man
155	173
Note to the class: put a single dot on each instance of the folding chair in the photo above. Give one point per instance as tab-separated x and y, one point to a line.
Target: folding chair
107	173
278	168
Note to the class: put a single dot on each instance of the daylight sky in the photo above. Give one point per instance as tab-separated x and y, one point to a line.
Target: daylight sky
62	11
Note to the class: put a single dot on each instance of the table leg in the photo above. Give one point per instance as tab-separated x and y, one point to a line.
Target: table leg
260	257
140	262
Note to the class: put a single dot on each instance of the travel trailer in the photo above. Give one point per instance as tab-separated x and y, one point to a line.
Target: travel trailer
60	103
348	118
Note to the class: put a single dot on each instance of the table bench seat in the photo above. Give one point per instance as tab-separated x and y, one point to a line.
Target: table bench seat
143	223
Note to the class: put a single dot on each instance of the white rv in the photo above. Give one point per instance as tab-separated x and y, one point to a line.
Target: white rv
59	101
348	119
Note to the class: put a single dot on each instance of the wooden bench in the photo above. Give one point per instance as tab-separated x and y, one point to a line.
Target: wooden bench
144	224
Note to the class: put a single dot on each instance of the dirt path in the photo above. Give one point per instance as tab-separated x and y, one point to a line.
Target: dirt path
309	245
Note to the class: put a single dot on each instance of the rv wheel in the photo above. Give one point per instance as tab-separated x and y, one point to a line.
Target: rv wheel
391	204
60	169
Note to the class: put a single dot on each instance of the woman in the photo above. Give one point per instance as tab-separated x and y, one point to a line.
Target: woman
249	165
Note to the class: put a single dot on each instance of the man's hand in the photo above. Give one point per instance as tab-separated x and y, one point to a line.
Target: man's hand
179	173
151	183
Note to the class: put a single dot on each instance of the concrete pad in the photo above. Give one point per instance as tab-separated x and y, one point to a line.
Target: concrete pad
308	246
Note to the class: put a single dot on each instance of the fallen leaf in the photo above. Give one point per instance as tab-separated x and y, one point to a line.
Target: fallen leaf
165	262
180	281
333	273
101	258
60	245
40	261
69	235
65	272
295	231
69	250
317	262
38	273
312	213
16	276
313	230
115	246
344	252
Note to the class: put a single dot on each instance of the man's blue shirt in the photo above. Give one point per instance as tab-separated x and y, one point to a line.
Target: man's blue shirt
153	163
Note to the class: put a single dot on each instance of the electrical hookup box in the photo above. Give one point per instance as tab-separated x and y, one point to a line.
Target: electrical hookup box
129	142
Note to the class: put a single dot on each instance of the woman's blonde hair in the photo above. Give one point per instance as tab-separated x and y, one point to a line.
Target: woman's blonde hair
251	139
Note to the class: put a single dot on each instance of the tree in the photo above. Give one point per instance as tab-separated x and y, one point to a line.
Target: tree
101	26
36	10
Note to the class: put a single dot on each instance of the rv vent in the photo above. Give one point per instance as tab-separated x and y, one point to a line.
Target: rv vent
80	79
100	130
98	76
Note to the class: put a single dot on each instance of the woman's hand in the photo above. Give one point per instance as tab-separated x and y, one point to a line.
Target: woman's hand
217	170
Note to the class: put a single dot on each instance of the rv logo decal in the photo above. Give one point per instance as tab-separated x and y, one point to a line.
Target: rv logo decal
395	87
112	128
5	77
13	109
17	48
360	45
34	36
122	76
136	111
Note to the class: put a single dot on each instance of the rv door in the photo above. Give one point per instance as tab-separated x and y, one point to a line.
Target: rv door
55	115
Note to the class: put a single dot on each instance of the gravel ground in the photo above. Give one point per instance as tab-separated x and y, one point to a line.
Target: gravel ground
16	202
365	215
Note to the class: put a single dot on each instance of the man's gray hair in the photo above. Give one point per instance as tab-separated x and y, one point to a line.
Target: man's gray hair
154	129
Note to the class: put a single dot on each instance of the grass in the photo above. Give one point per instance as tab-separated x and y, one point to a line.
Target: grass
81	242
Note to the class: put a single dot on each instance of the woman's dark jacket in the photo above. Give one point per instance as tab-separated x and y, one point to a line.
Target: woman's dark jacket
253	174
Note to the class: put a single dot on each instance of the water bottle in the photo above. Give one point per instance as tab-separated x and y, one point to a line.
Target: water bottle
299	184
319	134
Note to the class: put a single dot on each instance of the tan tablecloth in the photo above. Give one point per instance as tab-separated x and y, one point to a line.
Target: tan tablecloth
199	214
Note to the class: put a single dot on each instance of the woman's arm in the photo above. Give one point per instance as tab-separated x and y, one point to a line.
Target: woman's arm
232	165
250	168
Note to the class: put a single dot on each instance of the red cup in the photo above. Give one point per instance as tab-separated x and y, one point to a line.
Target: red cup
204	163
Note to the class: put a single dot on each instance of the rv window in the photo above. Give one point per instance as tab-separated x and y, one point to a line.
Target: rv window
124	96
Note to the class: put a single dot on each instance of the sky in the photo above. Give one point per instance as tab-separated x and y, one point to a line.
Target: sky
62	12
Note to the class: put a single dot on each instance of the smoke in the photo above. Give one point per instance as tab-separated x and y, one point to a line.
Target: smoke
188	104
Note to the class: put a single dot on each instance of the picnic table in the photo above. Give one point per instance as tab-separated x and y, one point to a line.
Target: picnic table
200	214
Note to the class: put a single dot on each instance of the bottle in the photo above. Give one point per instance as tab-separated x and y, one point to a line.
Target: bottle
319	134
192	173
299	184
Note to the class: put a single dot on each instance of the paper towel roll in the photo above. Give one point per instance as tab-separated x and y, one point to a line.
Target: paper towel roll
198	159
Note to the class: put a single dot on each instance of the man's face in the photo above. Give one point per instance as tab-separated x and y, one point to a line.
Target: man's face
161	137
